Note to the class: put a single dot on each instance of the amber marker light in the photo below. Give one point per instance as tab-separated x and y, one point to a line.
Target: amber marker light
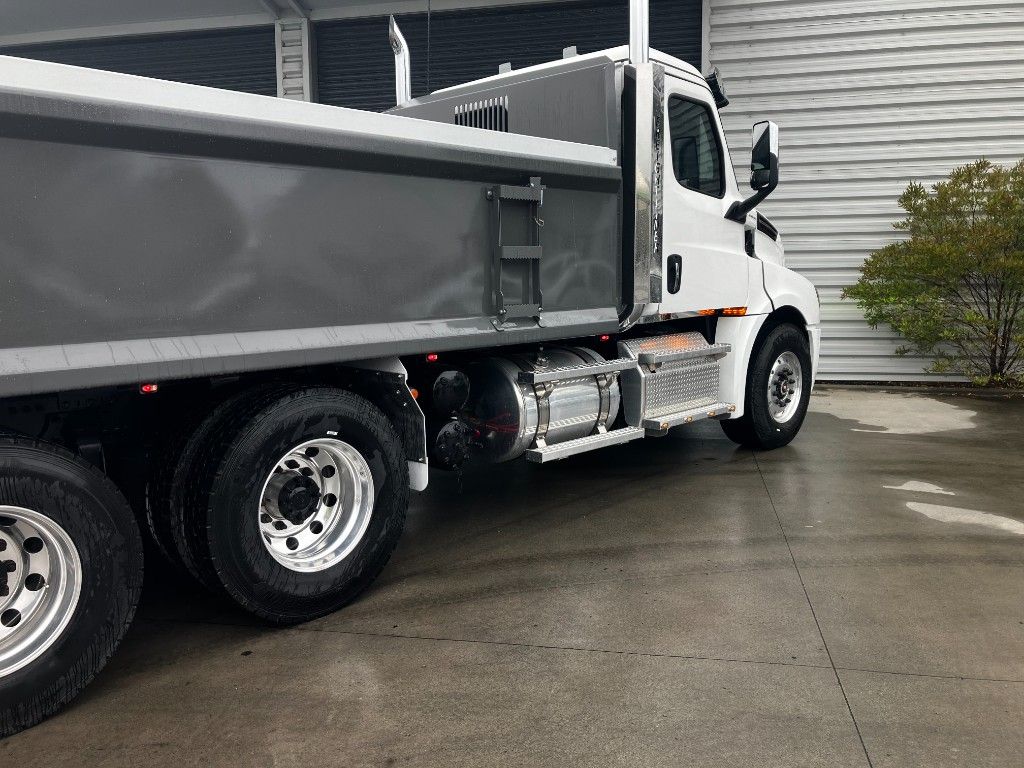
734	311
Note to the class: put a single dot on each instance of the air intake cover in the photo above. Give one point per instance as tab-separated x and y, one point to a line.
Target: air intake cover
489	114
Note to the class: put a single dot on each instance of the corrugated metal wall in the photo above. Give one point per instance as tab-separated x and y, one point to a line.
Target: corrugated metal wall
868	94
355	67
236	59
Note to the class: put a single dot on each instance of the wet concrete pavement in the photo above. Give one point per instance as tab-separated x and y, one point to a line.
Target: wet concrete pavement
854	599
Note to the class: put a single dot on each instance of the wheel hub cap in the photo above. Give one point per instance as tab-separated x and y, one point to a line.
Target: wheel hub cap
785	386
316	505
40	583
298	498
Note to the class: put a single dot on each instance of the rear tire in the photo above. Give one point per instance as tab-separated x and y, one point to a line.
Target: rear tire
180	499
72	577
778	391
276	545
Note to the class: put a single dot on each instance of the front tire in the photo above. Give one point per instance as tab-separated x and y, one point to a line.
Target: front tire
778	391
71	562
305	504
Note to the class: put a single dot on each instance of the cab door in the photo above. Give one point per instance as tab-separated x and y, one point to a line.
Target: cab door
704	260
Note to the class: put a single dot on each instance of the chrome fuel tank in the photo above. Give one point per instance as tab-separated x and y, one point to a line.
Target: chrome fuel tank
507	415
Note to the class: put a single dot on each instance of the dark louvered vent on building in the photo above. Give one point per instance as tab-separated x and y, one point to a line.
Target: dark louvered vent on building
355	66
490	114
236	59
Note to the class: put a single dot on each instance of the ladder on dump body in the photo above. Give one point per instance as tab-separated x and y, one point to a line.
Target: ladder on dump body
665	381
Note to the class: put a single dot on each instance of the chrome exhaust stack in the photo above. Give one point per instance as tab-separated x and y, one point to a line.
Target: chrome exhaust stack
639	31
403	77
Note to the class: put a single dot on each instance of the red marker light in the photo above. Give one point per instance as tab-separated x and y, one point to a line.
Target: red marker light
605	337
432	357
149	389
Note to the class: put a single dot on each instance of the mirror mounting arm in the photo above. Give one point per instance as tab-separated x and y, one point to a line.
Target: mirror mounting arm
738	211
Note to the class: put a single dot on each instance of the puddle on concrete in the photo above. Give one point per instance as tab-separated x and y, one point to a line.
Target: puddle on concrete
916	486
967	517
893	413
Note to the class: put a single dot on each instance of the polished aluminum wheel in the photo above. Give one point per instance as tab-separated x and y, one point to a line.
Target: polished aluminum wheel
316	505
40	583
785	385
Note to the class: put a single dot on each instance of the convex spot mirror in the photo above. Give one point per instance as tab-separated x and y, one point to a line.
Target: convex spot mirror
764	158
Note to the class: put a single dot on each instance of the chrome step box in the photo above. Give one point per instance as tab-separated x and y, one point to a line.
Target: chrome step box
676	379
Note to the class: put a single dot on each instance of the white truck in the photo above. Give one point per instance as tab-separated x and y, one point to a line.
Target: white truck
247	325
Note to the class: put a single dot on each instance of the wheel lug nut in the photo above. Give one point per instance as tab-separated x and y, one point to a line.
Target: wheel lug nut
35	582
33	545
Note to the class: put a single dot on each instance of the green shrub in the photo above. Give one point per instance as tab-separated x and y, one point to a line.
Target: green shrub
955	289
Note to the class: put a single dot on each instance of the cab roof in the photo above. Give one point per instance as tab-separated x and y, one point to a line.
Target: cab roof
619	55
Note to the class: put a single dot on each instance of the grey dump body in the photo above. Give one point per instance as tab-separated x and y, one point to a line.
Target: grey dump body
154	231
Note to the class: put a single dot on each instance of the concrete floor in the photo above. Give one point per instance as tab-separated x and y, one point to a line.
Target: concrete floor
854	599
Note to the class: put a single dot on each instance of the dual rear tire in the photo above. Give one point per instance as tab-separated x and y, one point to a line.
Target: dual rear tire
288	500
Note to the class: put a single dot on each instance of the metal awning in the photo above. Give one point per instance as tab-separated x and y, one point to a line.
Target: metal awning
49	20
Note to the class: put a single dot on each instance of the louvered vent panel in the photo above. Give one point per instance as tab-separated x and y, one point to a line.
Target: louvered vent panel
490	114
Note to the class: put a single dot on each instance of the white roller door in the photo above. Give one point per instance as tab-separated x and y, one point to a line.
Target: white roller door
868	94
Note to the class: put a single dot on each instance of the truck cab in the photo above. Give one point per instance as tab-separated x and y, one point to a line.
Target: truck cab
695	243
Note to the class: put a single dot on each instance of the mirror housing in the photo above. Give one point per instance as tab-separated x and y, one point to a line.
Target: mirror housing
764	169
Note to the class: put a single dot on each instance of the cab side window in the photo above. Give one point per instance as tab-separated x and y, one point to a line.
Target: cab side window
696	151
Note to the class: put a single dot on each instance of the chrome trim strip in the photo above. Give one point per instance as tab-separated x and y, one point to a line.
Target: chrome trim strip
657	181
648	202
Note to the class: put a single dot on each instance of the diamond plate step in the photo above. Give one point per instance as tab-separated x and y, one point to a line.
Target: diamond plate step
662	424
574	371
654	360
583	444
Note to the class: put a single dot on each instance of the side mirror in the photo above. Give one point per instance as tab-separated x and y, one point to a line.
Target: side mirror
764	169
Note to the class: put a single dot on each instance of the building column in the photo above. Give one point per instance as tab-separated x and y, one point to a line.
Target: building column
294	59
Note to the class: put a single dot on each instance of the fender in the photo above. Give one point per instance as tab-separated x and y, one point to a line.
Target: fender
785	288
781	295
788	289
400	406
